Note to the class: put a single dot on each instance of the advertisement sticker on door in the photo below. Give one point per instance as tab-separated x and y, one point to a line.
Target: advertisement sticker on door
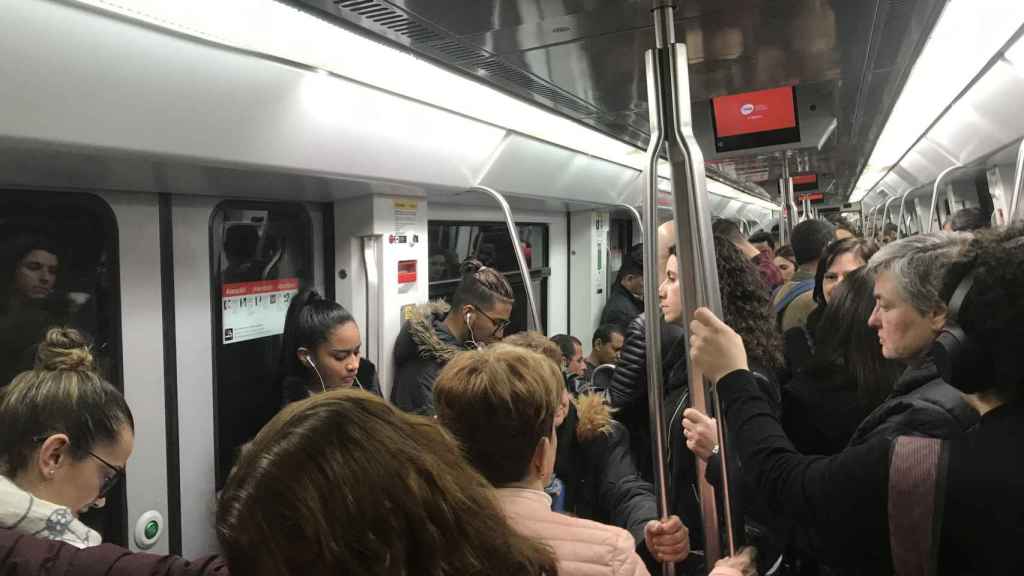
252	310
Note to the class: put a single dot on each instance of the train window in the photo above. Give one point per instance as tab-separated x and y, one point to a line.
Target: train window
489	242
59	253
261	254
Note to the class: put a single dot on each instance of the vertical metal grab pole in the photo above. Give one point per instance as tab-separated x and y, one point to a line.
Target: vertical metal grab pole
672	128
783	208
903	223
935	194
524	268
1018	182
885	214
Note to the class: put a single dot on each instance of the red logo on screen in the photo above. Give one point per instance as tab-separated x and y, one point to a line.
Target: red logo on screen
761	111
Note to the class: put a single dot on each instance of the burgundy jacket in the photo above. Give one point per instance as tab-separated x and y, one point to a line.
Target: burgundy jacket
22	555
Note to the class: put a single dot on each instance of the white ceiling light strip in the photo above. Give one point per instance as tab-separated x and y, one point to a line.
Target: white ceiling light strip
275	29
968	34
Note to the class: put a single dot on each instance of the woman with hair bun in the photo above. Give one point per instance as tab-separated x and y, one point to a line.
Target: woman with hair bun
65	439
322	349
436	332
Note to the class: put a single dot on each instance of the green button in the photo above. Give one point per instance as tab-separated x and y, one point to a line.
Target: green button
152	529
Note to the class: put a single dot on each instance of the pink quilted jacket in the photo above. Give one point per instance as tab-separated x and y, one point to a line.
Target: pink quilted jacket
583	548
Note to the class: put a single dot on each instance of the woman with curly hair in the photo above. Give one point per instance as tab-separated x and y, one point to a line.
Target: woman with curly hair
745	303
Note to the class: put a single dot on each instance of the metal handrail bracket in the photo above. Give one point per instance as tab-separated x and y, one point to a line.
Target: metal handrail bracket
935	194
1018	183
524	268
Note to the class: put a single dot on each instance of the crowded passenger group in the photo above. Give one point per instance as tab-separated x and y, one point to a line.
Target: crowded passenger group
870	396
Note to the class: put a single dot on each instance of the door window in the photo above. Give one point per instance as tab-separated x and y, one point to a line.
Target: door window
59	256
262	254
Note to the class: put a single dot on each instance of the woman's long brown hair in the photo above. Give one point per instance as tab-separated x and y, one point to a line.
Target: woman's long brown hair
344	483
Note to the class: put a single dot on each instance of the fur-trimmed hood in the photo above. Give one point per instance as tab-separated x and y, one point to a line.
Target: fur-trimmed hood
595	416
425	335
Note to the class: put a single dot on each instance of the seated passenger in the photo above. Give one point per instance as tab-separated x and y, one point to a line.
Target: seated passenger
964	515
793	301
500	403
605	347
597	475
480	310
786	262
65	439
968	220
572	364
321	350
626	299
847	378
769	272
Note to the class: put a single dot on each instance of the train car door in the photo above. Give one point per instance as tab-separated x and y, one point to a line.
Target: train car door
104	253
237	265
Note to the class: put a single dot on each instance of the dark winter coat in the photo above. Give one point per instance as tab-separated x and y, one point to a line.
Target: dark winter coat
22	555
844	499
821	410
627	392
423	347
621	307
596	466
921	404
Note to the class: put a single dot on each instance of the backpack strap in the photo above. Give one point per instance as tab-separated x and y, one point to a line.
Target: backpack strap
917	478
798	288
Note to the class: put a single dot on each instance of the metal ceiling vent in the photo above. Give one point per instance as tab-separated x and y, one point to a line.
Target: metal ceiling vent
422	36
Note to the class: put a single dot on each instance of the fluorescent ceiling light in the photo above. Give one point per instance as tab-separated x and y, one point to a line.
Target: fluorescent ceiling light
271	28
275	29
967	35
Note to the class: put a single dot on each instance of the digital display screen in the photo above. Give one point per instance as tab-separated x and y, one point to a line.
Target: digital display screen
755	119
805	182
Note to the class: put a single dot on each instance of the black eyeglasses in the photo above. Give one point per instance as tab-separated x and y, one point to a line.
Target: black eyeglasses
499	325
109	482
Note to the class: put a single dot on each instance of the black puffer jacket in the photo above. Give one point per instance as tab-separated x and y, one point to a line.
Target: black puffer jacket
621	308
596	466
423	347
628	390
921	404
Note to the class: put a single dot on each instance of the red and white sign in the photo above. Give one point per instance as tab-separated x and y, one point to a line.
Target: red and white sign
751	112
251	310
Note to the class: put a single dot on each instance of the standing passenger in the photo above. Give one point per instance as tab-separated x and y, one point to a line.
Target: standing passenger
480	310
793	302
626	300
29	302
65	439
500	403
321	349
766	268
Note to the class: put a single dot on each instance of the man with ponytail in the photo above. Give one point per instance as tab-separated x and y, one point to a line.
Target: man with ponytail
477	316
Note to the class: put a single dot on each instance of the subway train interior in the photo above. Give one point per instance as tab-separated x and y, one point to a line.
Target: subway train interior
195	163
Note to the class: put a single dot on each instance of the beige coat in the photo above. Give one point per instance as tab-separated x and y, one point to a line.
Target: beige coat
583	548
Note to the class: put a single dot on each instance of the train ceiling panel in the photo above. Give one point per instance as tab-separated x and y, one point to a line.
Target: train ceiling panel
584	58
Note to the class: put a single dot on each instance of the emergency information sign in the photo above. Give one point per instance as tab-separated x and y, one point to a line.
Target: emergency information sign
252	310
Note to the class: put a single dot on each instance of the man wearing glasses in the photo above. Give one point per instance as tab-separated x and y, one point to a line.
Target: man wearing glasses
436	332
